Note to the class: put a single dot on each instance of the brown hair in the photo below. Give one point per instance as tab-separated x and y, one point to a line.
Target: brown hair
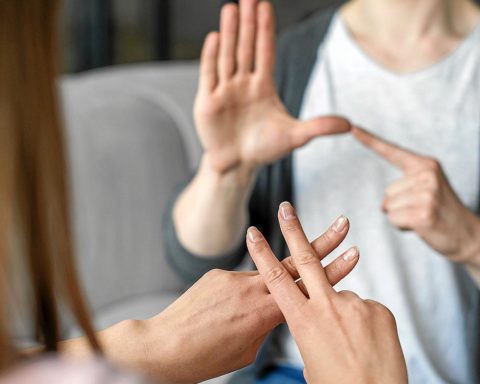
34	218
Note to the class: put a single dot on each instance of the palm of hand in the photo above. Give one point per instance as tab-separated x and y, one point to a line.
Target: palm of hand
244	122
239	116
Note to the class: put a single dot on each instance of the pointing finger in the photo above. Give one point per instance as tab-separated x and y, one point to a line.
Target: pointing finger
404	159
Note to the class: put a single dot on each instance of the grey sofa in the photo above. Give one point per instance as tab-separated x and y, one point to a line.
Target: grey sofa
131	143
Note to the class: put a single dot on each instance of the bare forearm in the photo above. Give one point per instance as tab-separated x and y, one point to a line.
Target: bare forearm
125	344
215	201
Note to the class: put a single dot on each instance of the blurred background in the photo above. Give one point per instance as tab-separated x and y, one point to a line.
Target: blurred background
99	33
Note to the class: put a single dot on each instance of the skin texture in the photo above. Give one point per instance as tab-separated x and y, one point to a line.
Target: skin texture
342	338
242	125
423	201
227	312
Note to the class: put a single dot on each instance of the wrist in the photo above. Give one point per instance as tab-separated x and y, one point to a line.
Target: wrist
241	176
469	249
142	346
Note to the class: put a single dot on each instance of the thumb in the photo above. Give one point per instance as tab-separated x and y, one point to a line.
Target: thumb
304	131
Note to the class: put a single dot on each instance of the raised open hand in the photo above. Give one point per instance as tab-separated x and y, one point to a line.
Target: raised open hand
239	116
424	201
342	338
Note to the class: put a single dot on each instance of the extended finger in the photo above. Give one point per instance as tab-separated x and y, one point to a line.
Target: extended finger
335	271
228	41
208	63
246	42
305	131
325	243
303	254
332	238
279	282
265	47
402	158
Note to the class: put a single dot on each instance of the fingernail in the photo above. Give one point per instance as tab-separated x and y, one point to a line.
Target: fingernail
351	254
340	224
287	211
254	235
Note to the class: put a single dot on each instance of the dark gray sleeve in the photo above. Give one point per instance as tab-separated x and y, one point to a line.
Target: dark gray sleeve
188	266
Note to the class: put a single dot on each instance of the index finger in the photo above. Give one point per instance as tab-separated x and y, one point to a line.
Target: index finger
304	256
400	157
279	282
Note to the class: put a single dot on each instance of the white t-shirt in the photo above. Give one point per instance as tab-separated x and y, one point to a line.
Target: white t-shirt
435	112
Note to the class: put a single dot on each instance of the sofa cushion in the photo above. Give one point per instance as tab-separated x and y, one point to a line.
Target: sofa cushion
130	141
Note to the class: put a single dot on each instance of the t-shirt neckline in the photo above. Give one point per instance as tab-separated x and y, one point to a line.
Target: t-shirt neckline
339	23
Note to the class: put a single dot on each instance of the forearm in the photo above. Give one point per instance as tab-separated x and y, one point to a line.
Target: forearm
217	201
127	344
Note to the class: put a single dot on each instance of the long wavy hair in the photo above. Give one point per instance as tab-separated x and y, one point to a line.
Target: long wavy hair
35	227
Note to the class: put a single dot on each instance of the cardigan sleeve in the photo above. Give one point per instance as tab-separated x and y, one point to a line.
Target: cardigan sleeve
187	265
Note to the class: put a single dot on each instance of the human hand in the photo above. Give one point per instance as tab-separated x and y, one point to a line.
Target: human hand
239	116
218	325
342	338
424	201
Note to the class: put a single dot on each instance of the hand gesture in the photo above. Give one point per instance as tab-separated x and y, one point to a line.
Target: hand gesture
423	200
239	116
219	324
342	338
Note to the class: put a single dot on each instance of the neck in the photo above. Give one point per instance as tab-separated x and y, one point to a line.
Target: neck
409	20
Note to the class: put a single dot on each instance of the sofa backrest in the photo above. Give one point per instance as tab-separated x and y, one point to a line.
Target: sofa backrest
131	143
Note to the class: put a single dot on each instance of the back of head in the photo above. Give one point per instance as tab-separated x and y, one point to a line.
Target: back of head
34	218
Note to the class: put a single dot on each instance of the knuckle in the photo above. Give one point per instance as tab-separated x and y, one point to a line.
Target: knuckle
382	312
432	164
276	275
333	271
348	296
430	179
305	257
291	226
289	264
427	217
329	237
215	273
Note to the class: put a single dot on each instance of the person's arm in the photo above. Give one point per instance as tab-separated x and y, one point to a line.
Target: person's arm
216	327
424	201
242	125
342	338
213	200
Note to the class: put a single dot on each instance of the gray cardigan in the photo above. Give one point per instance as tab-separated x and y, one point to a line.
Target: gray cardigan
297	54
